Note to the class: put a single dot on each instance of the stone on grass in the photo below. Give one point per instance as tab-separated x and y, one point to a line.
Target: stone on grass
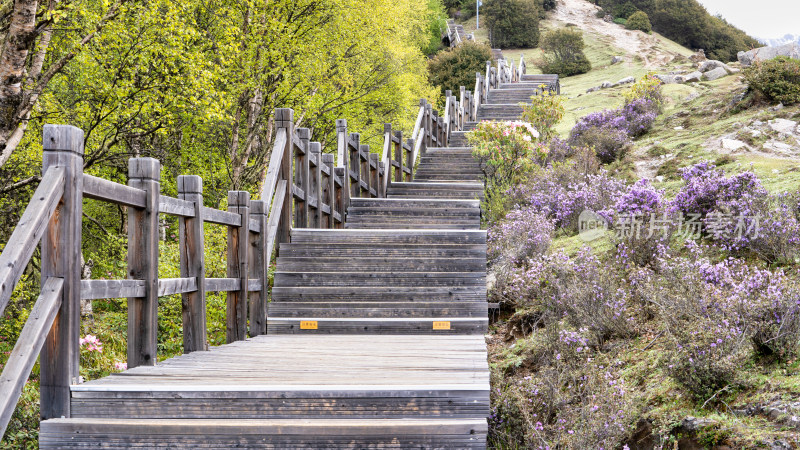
693	77
616	60
711	64
626	80
783	126
733	144
715	74
606	85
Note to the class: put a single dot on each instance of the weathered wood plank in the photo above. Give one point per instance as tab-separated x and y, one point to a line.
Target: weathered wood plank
29	231
176	207
23	357
218	217
258	266
223	284
191	238
102	289
301	179
173	286
109	191
275	217
61	254
238	247
283	120
144	174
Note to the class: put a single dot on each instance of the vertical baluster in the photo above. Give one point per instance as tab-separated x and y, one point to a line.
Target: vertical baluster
373	174
61	256
409	156
329	190
238	203
355	166
258	264
315	184
398	155
342	196
145	174
366	174
191	235
284	119
301	178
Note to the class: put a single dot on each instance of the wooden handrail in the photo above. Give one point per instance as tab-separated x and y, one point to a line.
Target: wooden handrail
29	232
20	363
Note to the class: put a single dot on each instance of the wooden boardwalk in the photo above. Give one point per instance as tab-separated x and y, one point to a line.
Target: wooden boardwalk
374	333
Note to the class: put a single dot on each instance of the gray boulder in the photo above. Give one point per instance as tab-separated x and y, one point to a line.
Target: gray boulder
791	50
606	85
616	60
693	77
626	80
666	79
709	65
715	74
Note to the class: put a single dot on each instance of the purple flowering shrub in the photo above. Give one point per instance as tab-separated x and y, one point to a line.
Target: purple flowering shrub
738	213
563	191
575	398
642	223
610	132
523	234
716	314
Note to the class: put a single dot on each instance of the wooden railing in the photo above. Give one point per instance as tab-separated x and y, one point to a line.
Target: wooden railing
303	188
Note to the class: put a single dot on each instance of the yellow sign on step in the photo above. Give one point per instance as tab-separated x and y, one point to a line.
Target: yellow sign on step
441	325
308	324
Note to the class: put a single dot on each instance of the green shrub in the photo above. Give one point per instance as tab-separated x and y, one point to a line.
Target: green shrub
776	79
600	14
639	21
621	21
544	112
548	5
624	11
512	23
452	68
564	53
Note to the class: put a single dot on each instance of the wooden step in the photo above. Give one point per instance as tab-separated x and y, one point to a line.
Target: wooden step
406	251
362	278
379	264
263	433
388	294
388	326
387	237
348	309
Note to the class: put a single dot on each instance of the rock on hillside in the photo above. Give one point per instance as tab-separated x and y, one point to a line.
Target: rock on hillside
764	53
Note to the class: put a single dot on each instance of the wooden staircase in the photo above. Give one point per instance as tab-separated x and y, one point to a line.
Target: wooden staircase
374	333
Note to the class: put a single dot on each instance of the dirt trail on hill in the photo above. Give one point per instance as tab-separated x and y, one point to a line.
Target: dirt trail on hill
582	14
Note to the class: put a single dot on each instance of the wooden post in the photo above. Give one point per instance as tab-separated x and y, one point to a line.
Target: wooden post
398	156
301	175
366	174
355	165
315	184
428	124
329	190
193	264
61	257
238	203
374	179
341	143
145	174
259	263
409	159
342	196
284	119
382	174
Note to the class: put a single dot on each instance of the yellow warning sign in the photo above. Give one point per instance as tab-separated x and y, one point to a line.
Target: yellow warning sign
441	325
308	324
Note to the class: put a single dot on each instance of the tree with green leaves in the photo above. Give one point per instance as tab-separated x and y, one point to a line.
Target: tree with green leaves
564	55
512	23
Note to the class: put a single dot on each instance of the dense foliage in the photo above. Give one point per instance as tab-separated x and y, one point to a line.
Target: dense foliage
688	23
564	55
452	68
776	79
544	112
512	23
639	21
